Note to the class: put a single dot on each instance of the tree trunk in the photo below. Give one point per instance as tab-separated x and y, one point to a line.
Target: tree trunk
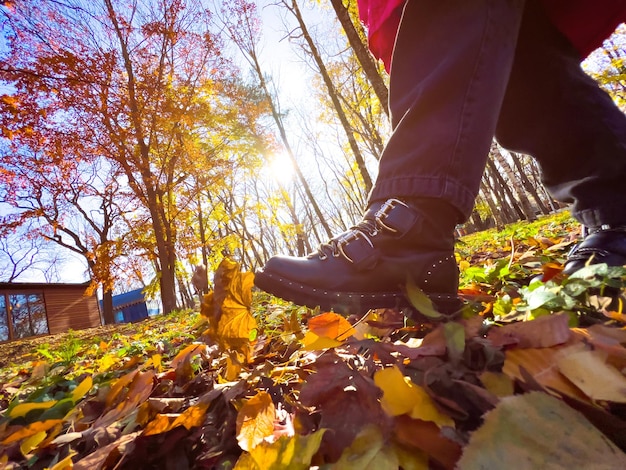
528	186
332	91
354	32
515	183
506	195
108	315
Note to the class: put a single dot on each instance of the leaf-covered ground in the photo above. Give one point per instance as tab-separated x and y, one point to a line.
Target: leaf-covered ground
530	374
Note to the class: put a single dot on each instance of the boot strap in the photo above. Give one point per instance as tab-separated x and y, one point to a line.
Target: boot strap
356	246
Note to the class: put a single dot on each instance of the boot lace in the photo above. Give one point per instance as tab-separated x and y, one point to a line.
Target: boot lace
366	229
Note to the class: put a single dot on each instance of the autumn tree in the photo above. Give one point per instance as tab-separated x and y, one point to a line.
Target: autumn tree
143	85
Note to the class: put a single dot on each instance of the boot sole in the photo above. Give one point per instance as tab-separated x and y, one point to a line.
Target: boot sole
347	302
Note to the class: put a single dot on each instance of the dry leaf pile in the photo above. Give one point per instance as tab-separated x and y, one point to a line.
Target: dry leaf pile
299	389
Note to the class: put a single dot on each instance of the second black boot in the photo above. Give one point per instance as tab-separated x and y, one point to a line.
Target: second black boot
368	266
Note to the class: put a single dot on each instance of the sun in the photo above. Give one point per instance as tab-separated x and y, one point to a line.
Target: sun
280	168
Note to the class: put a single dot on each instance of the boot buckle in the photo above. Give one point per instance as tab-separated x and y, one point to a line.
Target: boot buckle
395	216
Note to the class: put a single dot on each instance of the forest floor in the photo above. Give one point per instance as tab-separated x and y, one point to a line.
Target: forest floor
529	374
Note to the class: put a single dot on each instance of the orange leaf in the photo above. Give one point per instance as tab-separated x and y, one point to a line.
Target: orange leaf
31	430
118	386
255	421
192	417
187	353
427	437
331	325
160	424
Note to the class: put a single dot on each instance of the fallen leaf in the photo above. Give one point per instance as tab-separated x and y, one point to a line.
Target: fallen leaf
368	452
331	325
426	436
65	464
313	342
402	396
543	332
287	453
96	459
30	430
541	365
346	402
32	442
82	389
536	430
192	417
160	423
497	383
255	421
420	301
589	371
455	340
22	409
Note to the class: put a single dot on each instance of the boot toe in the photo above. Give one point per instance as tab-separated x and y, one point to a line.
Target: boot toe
602	246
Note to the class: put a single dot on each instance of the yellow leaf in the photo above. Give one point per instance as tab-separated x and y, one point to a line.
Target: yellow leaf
497	383
192	417
589	371
32	442
236	323
82	389
233	367
368	452
23	408
312	342
255	421
401	396
331	325
287	453
31	429
106	362
64	464
157	362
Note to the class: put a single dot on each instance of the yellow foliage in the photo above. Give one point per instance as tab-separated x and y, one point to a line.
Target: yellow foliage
401	396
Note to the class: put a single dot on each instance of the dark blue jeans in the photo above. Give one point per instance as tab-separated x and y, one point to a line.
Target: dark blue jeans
468	70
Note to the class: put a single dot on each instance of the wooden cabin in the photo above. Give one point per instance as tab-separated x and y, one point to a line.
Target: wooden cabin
34	309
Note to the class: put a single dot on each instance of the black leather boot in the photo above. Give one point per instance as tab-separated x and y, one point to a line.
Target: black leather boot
605	244
368	266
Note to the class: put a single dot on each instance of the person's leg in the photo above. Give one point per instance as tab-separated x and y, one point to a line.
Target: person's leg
555	112
450	68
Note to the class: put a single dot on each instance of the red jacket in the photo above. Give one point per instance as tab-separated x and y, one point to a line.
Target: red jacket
585	22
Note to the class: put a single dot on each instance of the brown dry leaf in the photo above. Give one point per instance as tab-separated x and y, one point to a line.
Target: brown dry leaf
543	332
427	437
346	401
536	430
96	459
541	365
589	371
331	325
255	421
